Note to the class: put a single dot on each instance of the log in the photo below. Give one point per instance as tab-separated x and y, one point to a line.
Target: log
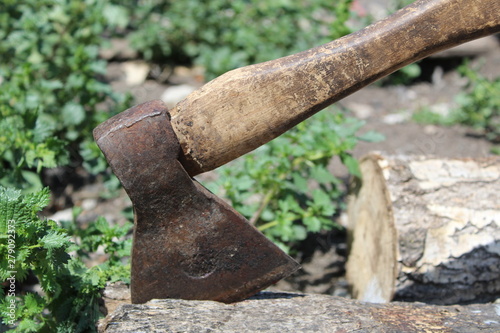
425	229
288	312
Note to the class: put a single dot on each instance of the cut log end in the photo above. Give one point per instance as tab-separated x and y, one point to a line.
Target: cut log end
372	259
425	229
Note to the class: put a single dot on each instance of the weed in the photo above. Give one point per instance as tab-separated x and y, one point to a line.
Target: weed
71	291
478	106
222	35
51	96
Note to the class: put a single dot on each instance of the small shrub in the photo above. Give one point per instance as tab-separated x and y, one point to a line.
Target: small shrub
425	115
478	106
222	35
51	95
70	302
284	188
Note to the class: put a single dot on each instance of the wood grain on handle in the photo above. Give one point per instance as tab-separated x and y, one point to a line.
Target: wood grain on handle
247	107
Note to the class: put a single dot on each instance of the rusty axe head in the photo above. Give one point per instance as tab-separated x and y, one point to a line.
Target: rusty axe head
188	243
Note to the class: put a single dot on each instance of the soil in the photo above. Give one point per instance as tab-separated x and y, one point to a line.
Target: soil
386	109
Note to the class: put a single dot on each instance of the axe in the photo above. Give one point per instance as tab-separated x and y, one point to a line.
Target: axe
190	244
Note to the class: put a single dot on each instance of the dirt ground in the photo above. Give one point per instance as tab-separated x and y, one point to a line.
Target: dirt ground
387	110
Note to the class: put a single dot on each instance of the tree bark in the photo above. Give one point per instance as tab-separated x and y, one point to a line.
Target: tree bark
287	312
425	229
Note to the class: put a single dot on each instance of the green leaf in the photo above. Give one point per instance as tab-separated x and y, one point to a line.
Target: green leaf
268	215
51	84
116	15
351	163
32	181
72	114
102	225
94	277
244	183
54	240
8	195
299	181
44	128
119	273
322	175
34	304
300	232
321	198
28	325
371	136
313	223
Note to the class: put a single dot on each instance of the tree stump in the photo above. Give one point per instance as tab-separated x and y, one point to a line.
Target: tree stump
425	229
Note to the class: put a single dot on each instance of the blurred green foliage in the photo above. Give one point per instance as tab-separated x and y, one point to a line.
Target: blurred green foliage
477	107
51	94
221	35
53	91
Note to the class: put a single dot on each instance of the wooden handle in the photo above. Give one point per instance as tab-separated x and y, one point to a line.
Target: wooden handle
247	107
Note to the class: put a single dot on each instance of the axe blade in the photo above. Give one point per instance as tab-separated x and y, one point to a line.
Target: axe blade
188	243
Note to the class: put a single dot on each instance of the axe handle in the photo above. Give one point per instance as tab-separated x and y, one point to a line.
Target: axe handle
247	107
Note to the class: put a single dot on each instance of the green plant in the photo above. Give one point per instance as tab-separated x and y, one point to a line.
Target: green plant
71	291
222	35
426	115
284	188
478	106
101	234
51	94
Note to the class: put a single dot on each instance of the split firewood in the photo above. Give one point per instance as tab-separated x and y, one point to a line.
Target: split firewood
425	229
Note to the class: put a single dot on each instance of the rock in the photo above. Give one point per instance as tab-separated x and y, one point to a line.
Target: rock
442	109
136	72
360	110
290	312
396	118
175	94
62	215
114	295
89	203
